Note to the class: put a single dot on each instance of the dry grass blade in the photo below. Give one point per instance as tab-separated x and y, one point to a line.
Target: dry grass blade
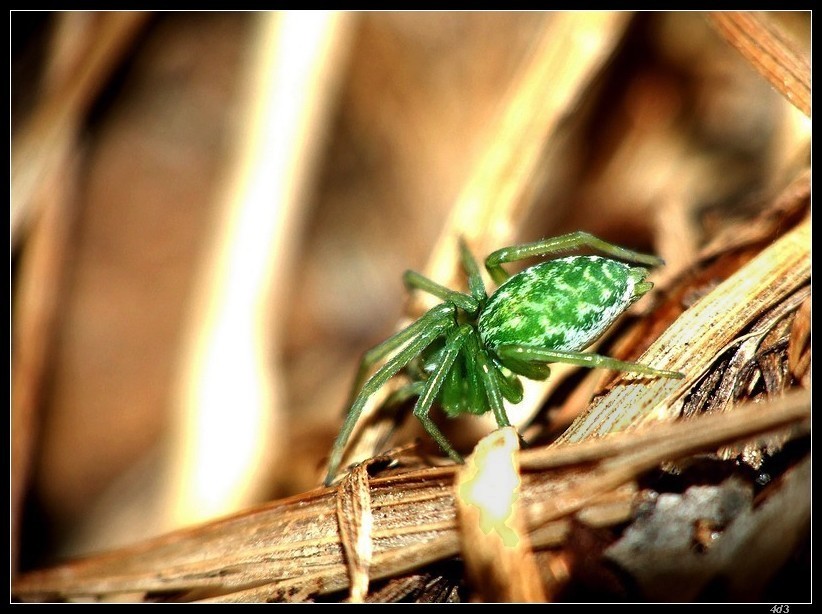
231	346
290	549
649	440
645	451
692	343
768	50
36	313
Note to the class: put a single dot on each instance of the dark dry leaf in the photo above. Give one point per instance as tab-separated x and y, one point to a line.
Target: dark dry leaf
756	367
712	538
437	584
736	373
772	359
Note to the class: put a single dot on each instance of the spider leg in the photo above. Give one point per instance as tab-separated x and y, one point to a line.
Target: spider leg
464	390
401	395
453	346
510	387
414	280
416	337
383	349
455	394
475	283
392	404
476	389
583	359
563	243
519	366
490	375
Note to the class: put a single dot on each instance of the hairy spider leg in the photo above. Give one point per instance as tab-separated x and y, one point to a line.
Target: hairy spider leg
468	302
492	390
582	359
403	393
383	349
563	243
422	410
460	394
415	338
475	284
394	401
463	341
414	280
531	370
510	386
464	389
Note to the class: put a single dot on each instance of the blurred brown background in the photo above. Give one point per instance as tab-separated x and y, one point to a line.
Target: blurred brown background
674	138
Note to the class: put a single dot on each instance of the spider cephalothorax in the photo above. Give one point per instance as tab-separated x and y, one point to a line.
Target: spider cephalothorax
468	351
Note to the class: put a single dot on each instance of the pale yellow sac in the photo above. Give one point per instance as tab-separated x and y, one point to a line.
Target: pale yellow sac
493	484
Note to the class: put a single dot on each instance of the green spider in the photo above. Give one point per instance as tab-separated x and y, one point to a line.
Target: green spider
467	352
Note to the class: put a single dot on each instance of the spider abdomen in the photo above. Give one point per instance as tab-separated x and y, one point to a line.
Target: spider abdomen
563	304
